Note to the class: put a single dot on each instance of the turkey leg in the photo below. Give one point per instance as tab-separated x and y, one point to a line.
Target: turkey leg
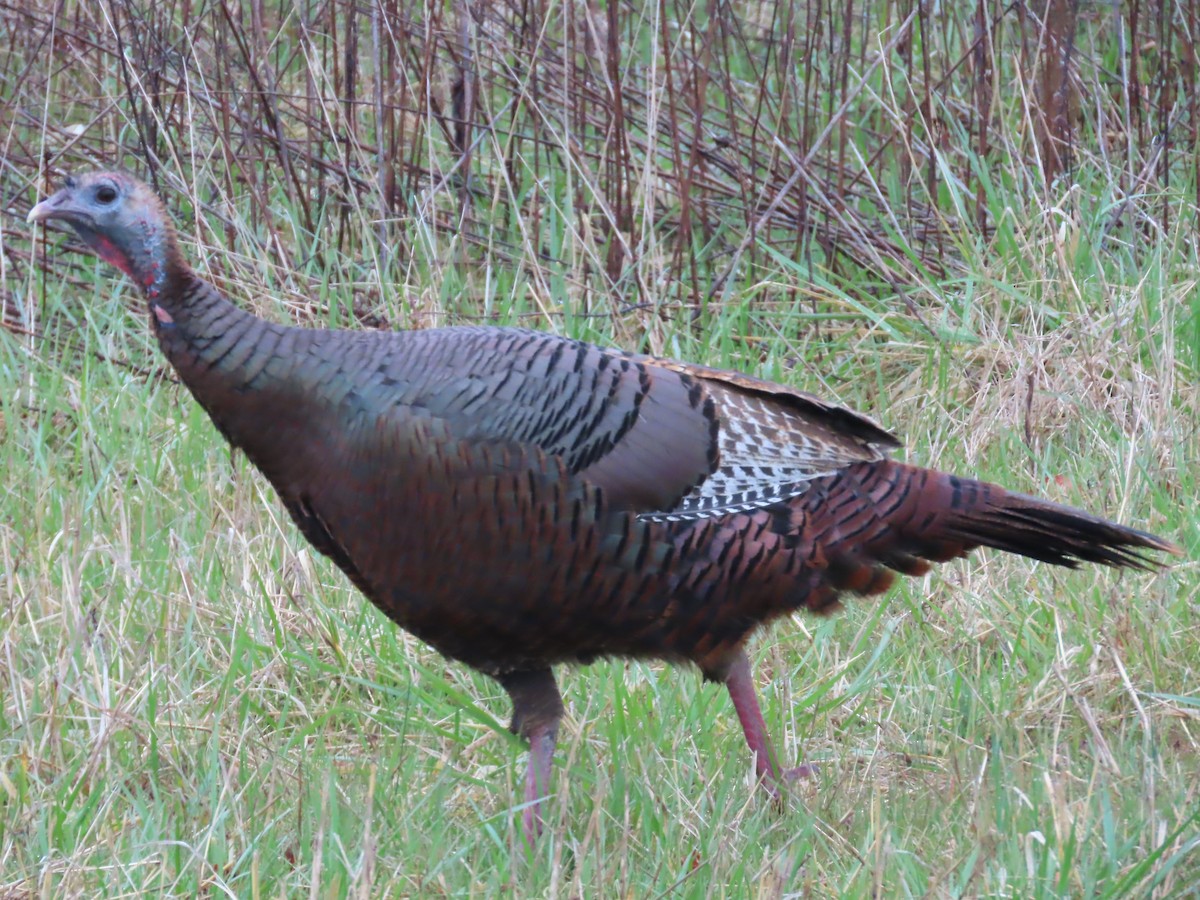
537	709
740	682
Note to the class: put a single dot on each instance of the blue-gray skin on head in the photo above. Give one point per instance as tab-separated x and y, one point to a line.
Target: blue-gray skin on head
122	220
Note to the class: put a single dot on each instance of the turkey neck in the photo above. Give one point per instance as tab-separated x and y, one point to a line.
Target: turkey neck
214	345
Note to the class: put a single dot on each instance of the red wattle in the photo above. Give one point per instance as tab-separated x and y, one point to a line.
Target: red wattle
109	252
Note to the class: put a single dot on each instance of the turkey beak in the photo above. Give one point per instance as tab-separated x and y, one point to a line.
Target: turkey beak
57	206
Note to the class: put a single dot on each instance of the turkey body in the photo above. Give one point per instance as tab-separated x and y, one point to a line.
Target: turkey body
519	500
454	475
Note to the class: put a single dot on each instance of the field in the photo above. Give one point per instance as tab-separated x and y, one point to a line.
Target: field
978	226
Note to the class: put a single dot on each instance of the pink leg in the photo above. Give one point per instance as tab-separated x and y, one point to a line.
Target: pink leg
537	781
740	682
537	708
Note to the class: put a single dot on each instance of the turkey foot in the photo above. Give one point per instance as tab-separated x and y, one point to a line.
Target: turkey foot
800	772
537	709
740	683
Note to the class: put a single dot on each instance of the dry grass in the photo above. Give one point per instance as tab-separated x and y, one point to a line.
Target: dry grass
862	201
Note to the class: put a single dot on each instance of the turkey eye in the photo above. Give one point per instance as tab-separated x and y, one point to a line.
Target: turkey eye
106	193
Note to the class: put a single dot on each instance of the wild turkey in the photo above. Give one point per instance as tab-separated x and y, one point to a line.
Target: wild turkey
519	500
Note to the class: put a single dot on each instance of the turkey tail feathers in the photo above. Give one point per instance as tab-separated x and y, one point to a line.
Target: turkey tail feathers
853	527
930	515
1054	533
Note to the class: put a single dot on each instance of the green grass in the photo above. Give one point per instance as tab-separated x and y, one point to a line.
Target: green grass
195	703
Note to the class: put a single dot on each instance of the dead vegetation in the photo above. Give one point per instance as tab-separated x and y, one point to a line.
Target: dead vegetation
642	158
